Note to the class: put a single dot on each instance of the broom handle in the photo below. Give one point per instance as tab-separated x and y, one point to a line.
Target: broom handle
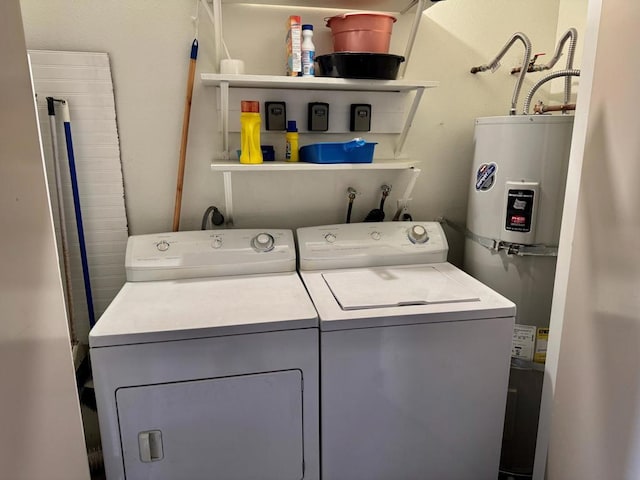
62	218
76	204
185	135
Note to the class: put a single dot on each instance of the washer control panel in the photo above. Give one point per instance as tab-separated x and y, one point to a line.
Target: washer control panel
371	244
209	253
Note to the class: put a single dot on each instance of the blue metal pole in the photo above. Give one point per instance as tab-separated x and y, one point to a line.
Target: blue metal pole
76	204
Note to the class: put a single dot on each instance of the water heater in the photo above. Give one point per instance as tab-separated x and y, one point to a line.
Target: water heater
514	213
515	205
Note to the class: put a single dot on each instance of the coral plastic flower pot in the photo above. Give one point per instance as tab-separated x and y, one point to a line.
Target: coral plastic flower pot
361	32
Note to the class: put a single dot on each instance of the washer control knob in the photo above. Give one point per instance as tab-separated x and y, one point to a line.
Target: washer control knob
163	245
263	242
216	242
330	237
418	234
376	235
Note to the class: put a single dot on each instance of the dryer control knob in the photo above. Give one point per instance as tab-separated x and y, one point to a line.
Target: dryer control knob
376	235
163	245
330	237
263	242
418	234
216	242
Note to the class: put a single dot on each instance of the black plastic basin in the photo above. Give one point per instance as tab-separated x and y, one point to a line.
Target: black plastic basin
377	66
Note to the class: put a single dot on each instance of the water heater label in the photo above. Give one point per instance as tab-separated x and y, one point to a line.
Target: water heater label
486	176
542	338
524	338
519	210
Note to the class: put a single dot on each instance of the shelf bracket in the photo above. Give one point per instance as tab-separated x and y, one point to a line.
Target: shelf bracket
228	197
403	202
215	17
420	6
409	120
224	114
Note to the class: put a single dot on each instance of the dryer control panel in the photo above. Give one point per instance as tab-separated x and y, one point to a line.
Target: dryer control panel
209	253
371	244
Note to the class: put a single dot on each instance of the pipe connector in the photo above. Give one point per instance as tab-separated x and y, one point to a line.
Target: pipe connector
542	108
481	68
542	81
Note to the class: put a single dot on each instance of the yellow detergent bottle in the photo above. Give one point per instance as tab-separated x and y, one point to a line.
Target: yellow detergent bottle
291	154
250	151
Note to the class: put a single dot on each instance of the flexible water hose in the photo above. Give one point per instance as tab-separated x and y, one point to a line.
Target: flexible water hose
377	214
571	34
385	194
352	195
570	55
216	216
545	79
495	63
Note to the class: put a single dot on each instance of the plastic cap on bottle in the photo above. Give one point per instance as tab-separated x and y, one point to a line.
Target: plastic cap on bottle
307	27
291	126
250	106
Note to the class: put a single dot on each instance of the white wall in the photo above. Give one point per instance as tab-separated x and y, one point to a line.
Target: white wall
594	404
41	433
149	40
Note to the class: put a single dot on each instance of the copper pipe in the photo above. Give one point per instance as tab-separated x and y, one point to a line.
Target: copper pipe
542	108
531	68
543	80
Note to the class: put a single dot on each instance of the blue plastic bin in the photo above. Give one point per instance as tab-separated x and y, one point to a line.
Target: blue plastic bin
354	151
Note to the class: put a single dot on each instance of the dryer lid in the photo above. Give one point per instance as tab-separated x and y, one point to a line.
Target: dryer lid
395	286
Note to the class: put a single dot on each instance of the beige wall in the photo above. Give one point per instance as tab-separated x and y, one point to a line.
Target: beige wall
41	434
594	404
149	40
572	13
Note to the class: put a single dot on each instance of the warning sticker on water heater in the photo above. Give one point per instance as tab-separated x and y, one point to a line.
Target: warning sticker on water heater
486	176
519	212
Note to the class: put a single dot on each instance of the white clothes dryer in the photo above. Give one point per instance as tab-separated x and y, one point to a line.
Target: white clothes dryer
414	355
206	363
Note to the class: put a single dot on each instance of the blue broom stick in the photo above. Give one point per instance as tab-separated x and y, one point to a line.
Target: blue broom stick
76	204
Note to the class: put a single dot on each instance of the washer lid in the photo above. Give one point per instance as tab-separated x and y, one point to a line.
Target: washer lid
401	295
145	312
395	287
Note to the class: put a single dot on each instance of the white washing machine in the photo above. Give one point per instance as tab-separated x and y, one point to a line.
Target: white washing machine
414	355
206	363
